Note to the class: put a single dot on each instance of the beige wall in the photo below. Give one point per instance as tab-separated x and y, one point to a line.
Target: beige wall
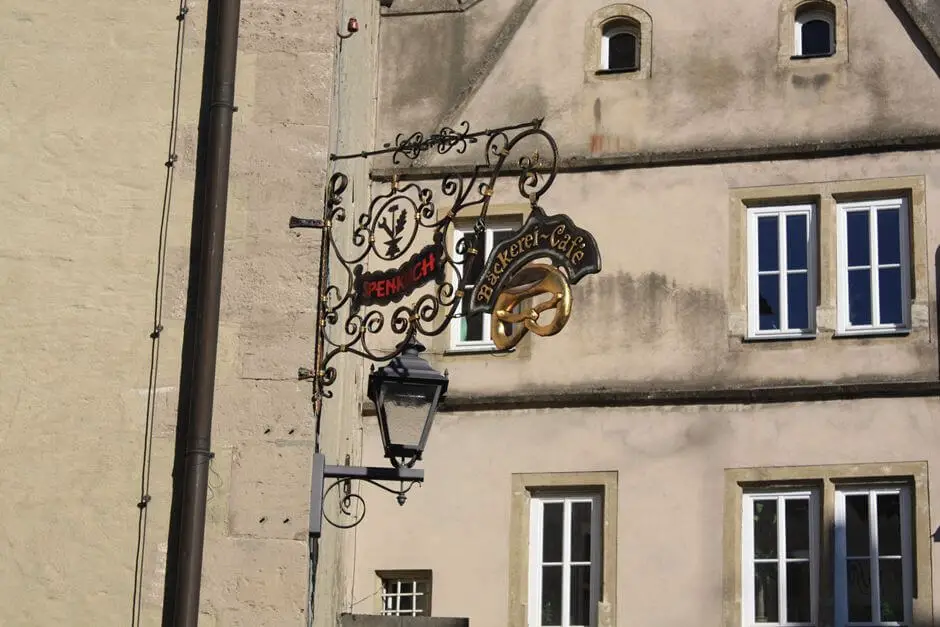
716	77
663	313
671	474
84	120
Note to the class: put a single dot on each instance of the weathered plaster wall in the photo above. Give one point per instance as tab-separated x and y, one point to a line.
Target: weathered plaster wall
715	81
84	120
670	464
661	314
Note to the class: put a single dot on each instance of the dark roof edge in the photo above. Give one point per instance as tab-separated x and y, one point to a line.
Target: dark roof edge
926	16
707	156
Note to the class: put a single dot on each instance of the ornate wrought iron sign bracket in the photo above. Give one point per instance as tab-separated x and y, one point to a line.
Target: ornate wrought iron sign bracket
395	270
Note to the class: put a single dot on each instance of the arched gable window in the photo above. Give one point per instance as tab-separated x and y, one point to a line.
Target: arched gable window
620	46
814	31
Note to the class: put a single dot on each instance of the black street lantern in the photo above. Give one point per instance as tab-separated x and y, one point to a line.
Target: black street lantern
406	392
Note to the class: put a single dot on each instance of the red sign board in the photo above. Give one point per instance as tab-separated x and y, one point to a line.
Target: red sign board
390	286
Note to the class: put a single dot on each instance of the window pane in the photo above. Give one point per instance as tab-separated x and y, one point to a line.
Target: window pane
797	513
580	532
768	305
552	530
406	604
580	602
768	249
817	38
798	301
796	243
421	605
890	578
889	236
856	525
856	226
859	589
471	325
889	296
765	529
859	297
551	595
406	587
766	607
799	601
889	524
621	52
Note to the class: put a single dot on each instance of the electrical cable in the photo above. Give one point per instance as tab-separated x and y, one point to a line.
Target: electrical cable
147	456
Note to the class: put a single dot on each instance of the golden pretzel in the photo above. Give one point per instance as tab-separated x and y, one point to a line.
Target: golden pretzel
533	280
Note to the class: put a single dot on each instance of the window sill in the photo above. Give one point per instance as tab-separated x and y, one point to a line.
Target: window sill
477	349
613	72
780	337
798	57
850	333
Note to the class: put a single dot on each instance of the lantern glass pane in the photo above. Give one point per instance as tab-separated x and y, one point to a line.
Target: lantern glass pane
407	406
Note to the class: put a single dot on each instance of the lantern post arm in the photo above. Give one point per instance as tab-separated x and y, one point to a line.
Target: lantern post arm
343	475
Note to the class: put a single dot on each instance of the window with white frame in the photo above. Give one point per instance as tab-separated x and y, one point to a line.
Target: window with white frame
780	546
873	565
874	266
814	31
472	332
620	46
782	271
406	593
564	560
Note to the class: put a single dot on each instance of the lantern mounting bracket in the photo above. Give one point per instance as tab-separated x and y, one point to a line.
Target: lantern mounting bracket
343	476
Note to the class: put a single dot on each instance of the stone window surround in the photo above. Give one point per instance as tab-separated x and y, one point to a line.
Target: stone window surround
826	196
381	576
826	479
594	31
523	485
440	345
786	49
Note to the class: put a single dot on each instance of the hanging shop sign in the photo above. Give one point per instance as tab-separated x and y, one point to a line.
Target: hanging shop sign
530	274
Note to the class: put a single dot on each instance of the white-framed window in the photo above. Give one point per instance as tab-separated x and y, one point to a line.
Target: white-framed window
874	266
873	565
814	32
780	558
620	46
472	332
406	593
564	560
782	271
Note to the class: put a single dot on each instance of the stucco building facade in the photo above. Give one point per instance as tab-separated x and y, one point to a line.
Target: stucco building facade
750	380
736	427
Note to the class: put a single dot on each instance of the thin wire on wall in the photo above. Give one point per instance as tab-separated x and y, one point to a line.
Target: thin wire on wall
157	329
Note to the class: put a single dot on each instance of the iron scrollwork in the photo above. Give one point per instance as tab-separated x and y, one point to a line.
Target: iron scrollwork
424	289
353	506
406	213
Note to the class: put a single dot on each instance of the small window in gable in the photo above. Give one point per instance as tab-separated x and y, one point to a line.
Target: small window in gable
620	46
814	31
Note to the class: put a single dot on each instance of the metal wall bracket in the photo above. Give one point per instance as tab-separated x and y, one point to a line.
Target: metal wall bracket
343	475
